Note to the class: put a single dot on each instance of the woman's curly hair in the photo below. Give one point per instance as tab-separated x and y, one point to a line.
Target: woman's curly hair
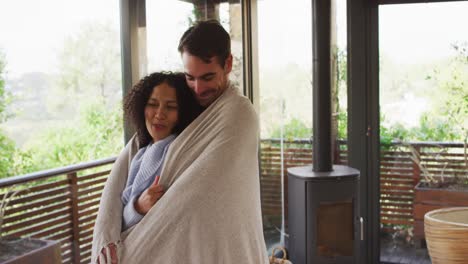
137	98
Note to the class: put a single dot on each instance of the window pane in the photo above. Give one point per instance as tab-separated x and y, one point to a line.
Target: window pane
423	102
164	30
285	77
62	82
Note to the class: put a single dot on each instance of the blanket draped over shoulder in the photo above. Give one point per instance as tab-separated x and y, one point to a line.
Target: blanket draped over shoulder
210	212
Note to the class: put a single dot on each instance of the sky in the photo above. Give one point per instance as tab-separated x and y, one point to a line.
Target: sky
415	33
32	31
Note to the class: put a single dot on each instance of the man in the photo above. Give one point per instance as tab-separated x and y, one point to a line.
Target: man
206	54
205	49
210	212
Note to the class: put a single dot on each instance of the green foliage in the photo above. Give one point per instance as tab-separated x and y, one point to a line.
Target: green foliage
7	197
7	150
339	94
24	163
457	104
342	75
98	134
7	146
396	132
433	128
89	64
287	90
197	15
446	87
293	130
448	117
429	129
342	119
5	97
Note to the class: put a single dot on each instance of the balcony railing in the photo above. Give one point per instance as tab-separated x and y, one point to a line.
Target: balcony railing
61	204
58	204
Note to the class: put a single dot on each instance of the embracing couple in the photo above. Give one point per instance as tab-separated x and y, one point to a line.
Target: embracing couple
186	189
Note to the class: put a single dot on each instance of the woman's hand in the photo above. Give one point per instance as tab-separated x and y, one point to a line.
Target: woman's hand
149	197
113	254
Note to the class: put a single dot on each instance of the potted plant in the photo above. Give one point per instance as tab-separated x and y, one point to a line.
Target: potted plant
25	250
448	187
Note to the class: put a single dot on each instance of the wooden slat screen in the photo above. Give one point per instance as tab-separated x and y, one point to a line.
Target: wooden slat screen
399	174
58	205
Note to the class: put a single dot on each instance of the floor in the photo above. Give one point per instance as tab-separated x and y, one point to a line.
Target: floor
396	251
392	250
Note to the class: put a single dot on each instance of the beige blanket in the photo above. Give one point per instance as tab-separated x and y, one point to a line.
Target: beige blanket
211	210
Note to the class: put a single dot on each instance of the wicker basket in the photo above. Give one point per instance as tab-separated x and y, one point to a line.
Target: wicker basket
446	233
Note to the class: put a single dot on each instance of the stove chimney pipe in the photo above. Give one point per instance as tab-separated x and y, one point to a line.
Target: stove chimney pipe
321	28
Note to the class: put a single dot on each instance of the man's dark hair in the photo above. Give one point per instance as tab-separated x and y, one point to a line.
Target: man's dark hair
206	39
137	98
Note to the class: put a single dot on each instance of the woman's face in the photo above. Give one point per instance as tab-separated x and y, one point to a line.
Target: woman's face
161	111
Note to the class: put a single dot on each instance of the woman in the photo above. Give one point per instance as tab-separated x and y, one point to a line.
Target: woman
160	106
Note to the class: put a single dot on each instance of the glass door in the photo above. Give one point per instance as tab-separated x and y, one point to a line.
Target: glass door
423	121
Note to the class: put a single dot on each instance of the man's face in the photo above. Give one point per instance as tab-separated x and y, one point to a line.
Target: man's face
207	80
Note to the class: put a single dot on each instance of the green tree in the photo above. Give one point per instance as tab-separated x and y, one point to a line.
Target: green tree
433	128
96	135
89	65
342	119
7	150
7	146
450	103
341	94
287	95
294	129
5	96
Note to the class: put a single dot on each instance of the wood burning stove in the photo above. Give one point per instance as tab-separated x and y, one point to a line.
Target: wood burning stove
323	208
323	215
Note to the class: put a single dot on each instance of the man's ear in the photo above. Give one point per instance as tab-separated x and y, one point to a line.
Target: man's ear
228	64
